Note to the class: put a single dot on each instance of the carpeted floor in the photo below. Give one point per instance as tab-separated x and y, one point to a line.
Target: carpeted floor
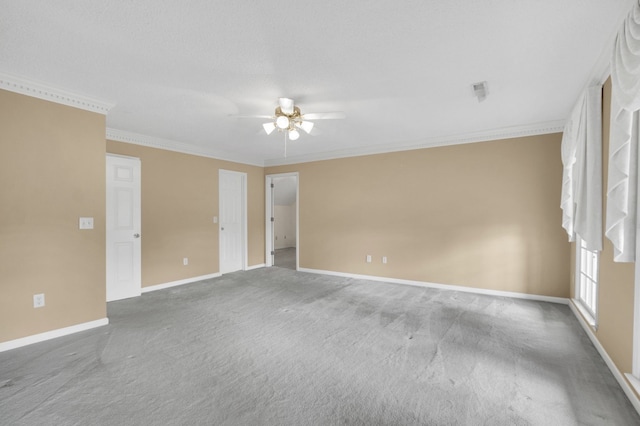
279	347
285	258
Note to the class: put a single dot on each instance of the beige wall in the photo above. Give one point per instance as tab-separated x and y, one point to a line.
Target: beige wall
615	293
179	201
482	215
52	171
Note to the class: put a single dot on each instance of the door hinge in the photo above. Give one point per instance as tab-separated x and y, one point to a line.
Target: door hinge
273	185
273	253
273	219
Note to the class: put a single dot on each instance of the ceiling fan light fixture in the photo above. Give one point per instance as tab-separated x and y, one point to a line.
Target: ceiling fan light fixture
306	126
269	127
286	105
282	122
288	119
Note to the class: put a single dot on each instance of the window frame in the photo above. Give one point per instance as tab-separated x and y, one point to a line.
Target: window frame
587	282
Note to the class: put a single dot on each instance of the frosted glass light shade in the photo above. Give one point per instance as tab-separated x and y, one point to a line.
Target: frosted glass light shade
282	122
269	127
306	126
294	135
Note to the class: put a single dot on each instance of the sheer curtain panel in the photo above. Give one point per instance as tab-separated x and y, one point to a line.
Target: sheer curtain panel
581	201
622	189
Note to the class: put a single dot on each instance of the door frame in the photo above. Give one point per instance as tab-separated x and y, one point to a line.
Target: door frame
243	212
137	291
269	242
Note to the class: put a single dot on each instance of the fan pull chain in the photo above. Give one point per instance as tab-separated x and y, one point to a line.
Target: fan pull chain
285	144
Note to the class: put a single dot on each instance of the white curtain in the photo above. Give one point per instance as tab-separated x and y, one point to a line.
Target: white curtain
582	172
622	189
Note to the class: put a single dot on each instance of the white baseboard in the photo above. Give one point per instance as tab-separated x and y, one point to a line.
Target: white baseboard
41	337
561	300
624	384
179	282
251	268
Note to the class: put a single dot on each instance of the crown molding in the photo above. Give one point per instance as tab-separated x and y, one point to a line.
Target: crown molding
483	136
49	93
175	146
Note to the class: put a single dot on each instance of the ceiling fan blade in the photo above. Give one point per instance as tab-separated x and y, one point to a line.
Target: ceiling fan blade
252	116
315	131
325	115
286	105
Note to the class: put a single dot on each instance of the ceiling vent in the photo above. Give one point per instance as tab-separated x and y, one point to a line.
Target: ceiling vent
480	90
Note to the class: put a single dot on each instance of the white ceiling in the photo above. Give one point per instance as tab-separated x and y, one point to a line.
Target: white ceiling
401	71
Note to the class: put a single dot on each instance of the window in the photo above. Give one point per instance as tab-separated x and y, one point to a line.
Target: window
587	282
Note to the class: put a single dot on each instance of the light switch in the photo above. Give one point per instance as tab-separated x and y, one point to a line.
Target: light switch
86	223
38	300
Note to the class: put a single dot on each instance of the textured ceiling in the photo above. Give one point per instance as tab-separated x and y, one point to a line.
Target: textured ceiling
401	71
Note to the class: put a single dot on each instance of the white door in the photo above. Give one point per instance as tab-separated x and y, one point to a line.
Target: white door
123	227
232	190
272	222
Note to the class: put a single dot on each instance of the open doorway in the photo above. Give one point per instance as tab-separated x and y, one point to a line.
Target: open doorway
282	220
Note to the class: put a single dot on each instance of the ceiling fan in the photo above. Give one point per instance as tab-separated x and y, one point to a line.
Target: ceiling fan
288	119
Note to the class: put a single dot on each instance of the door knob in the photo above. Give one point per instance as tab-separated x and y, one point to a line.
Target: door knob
136	235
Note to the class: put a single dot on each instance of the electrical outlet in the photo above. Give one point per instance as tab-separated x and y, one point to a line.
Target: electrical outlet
384	259
185	261
85	223
38	300
368	258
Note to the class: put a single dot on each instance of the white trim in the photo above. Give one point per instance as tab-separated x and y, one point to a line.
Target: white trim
548	127
252	267
592	319
297	221
175	146
626	387
556	126
269	243
46	92
635	384
560	300
245	220
179	282
482	136
268	226
41	337
585	313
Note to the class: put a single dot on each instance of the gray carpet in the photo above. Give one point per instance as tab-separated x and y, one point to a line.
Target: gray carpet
285	258
279	347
